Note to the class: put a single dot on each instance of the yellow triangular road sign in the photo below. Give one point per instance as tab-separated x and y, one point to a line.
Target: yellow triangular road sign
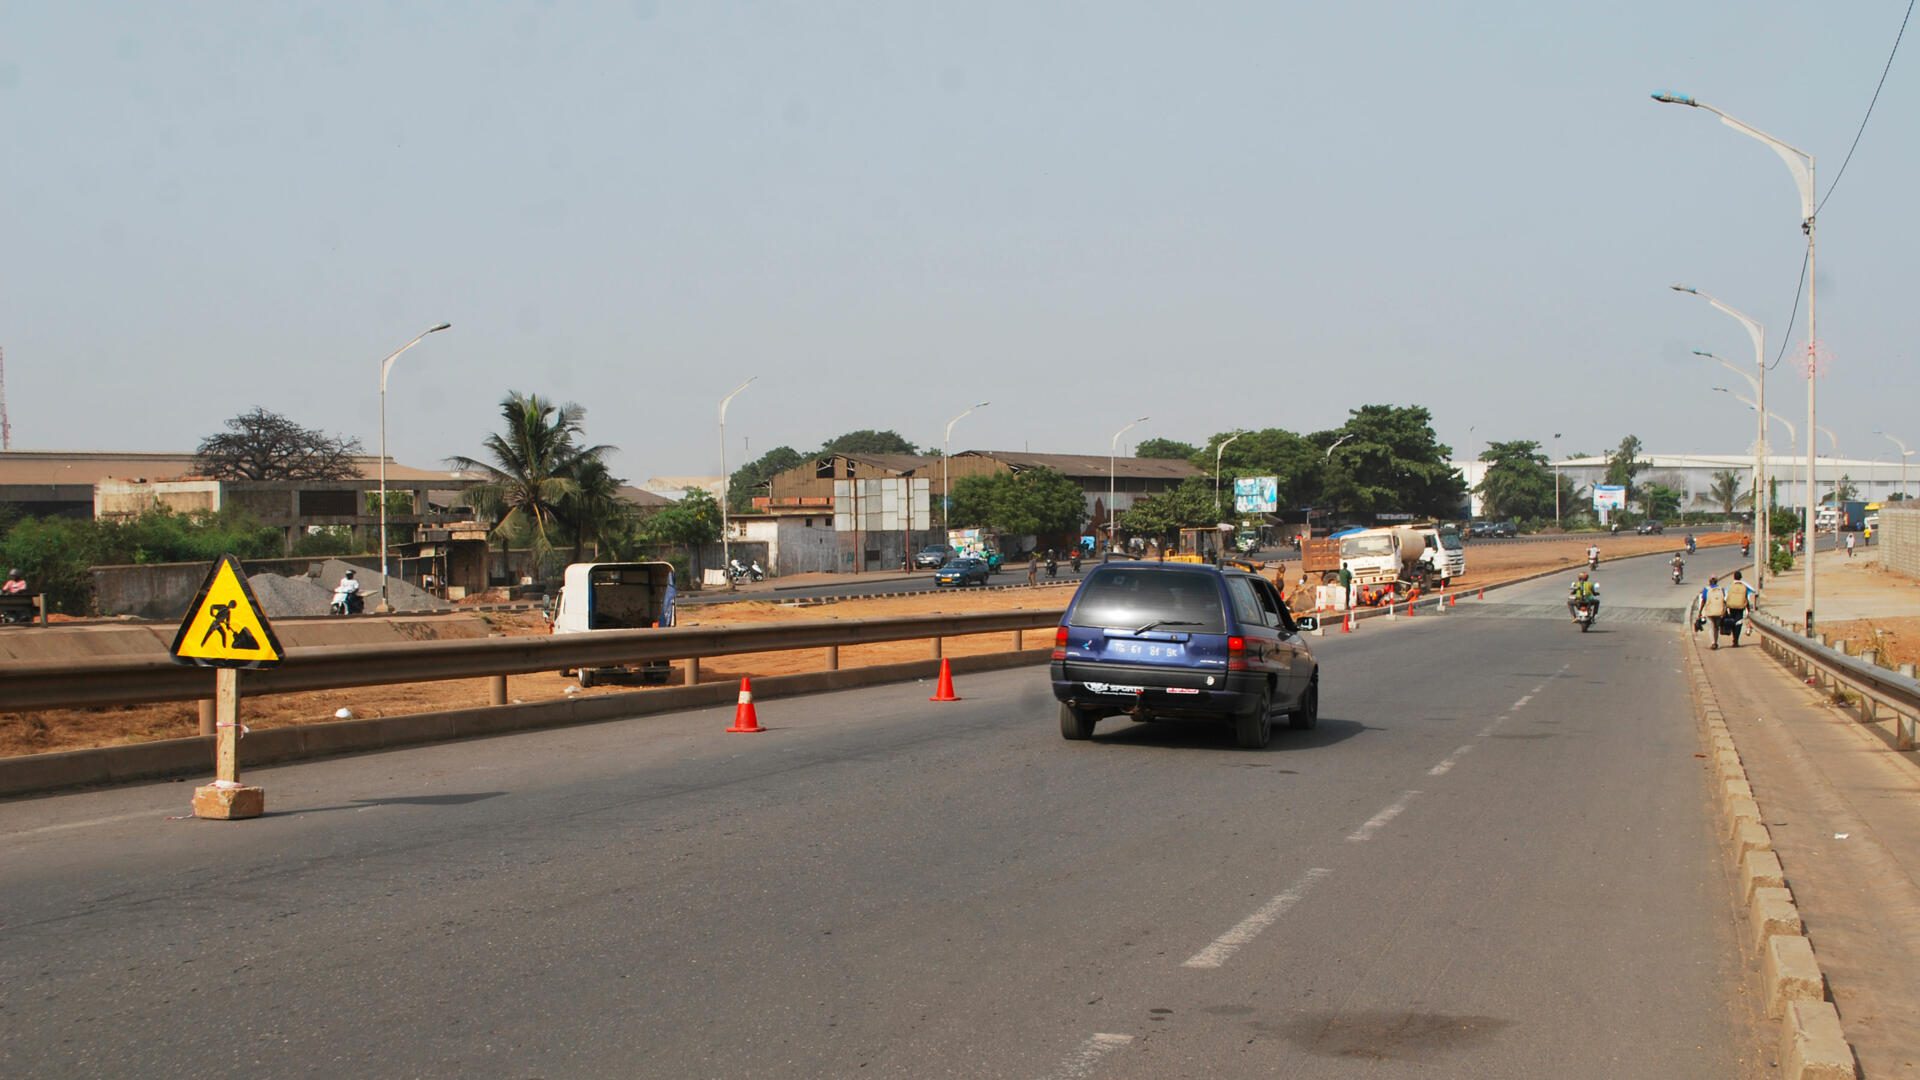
225	626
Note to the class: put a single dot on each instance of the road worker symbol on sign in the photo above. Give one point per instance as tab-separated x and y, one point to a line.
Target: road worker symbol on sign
225	626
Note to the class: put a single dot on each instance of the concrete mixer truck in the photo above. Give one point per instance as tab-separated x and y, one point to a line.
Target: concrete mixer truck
1402	556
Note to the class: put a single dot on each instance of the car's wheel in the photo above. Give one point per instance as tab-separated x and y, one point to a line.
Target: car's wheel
1076	723
1307	715
1253	729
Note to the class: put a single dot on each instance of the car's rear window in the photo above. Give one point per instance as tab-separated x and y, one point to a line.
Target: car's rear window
1124	597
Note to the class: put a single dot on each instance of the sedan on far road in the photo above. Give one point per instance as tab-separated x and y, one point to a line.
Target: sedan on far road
932	557
963	572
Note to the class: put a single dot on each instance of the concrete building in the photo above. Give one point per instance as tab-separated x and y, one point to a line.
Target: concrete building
796	542
1693	476
1131	478
105	485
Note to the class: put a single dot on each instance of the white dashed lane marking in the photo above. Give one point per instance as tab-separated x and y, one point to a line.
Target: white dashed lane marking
1448	763
1378	821
1083	1060
1249	928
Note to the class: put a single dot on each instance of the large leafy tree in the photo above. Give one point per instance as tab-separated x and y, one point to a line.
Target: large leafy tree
1165	448
1035	502
868	441
533	469
1190	505
1624	464
1662	501
1391	461
262	445
1296	462
692	521
748	479
1519	480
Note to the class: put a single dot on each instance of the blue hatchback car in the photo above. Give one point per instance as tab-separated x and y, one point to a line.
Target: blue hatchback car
1177	641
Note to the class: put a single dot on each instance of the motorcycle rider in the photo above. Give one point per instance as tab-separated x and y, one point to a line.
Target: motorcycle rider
1593	557
346	595
1053	564
16	584
1679	568
1691	548
1583	590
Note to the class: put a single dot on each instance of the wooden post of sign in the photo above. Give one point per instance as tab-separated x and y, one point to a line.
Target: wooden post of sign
226	799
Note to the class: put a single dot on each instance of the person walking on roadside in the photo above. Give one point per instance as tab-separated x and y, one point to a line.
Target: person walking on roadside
1346	582
1713	609
1033	568
1849	545
1741	597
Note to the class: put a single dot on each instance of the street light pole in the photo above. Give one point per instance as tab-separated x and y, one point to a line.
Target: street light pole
1306	533
1801	165
946	474
1833	445
726	549
1762	523
386	606
1113	452
1904	455
1216	467
1556	481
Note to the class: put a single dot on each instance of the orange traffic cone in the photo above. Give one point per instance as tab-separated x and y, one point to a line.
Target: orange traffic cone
944	692
1347	626
1453	600
1483	592
744	718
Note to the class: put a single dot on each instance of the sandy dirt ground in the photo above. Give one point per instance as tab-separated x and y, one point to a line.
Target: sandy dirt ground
72	729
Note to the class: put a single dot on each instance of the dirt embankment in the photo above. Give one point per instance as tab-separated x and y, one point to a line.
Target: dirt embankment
72	729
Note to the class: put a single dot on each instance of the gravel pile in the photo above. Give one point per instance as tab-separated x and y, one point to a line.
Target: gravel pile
288	596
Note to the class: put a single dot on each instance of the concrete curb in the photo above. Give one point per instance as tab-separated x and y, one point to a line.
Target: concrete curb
1813	1046
36	774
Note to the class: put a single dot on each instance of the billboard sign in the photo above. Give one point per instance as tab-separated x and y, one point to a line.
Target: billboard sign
1256	494
1609	497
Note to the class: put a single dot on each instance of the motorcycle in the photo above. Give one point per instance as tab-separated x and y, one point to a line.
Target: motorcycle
1593	562
1053	567
1073	560
741	572
1583	614
1691	548
1746	550
347	603
1678	573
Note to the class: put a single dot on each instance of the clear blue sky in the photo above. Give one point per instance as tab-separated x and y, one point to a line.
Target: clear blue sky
1222	215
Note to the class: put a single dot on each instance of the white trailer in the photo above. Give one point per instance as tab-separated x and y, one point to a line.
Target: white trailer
616	596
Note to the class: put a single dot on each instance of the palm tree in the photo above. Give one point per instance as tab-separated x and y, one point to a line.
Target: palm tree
1725	490
594	509
533	471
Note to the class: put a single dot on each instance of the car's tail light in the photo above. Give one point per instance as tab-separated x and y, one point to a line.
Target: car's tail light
1060	642
1236	653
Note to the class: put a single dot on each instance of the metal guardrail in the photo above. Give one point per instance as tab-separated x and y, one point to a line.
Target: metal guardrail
72	684
1875	688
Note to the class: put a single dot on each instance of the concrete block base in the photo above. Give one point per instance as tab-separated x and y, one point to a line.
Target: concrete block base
1812	1046
230	803
1760	870
1750	836
1773	913
1791	973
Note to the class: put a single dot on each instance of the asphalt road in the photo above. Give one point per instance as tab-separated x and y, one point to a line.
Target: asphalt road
1494	858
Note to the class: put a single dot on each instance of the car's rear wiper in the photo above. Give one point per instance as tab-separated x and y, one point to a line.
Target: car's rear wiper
1164	622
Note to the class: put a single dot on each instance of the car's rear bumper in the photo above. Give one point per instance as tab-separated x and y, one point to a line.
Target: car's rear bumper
1161	691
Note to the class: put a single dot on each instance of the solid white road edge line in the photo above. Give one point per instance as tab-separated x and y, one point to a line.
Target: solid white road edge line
1082	1061
1378	820
1448	763
1249	928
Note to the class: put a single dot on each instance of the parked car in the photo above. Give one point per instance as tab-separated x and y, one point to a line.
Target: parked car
1505	530
1181	641
932	557
1651	528
963	572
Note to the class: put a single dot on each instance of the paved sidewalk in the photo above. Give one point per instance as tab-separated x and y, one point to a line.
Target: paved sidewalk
1844	811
